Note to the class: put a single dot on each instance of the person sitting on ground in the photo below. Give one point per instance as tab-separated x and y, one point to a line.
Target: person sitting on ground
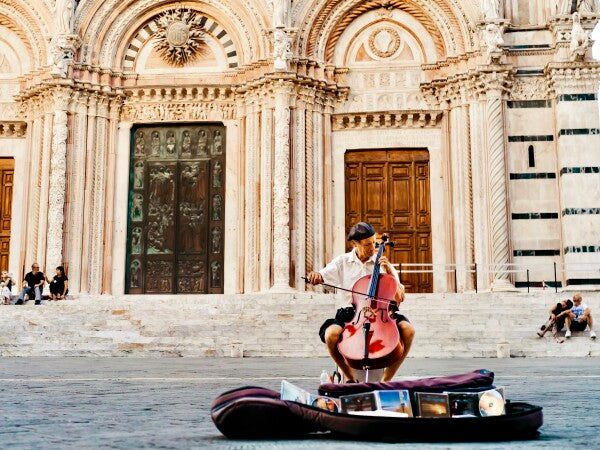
556	321
34	281
6	284
579	317
59	286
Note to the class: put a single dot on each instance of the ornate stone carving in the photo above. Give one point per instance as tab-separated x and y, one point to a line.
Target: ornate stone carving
61	51
158	112
492	37
180	36
490	9
13	129
281	51
529	88
56	197
281	193
386	119
281	13
64	11
384	42
588	6
580	40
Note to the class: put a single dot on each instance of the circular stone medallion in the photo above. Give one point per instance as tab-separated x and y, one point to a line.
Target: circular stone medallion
178	34
384	42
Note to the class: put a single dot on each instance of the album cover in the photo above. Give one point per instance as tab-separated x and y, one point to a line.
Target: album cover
326	403
395	401
464	404
359	402
492	402
433	405
293	393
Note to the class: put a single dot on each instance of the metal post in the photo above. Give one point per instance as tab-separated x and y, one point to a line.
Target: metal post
528	281
455	282
476	278
555	279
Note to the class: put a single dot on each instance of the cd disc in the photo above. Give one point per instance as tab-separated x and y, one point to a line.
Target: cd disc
491	403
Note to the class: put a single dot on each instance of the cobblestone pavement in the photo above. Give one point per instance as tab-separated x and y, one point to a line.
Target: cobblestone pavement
164	403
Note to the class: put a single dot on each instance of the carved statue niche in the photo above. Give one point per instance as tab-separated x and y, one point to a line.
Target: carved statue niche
218	144
135	274
281	50
155	146
136	241
215	274
580	39
215	247
217	207
491	9
140	146
171	143
216	175
202	143
186	145
137	205
281	13
64	11
138	175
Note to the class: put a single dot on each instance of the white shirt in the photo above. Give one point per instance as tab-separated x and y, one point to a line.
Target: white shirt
579	310
347	269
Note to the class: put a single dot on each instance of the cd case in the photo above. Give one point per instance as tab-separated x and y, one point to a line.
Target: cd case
294	393
433	404
378	403
478	404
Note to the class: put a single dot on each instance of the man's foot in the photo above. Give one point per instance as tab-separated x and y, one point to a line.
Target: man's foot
38	302
592	335
568	334
560	340
19	302
540	334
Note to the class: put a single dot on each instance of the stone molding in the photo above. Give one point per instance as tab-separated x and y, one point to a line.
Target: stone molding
13	130
573	78
387	119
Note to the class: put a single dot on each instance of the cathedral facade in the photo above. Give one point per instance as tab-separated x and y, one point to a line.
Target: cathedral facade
207	147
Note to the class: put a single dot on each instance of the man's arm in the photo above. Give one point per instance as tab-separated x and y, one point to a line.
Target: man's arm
330	274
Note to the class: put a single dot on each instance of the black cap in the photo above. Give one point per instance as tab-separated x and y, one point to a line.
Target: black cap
360	231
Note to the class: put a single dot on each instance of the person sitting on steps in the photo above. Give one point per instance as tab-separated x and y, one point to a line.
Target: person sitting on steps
556	321
34	281
579	318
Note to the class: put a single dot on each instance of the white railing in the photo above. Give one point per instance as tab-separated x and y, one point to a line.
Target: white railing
555	269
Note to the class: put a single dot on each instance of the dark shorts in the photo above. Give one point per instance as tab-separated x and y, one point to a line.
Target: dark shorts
578	326
345	315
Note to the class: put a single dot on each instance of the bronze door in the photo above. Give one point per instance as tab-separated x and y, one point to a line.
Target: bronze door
176	210
390	190
7	174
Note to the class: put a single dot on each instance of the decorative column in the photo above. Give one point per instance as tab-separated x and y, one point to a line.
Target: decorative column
310	191
281	190
252	241
299	152
266	197
498	208
58	182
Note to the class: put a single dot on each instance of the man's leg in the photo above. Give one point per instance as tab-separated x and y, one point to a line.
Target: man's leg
332	336
568	325
24	292
590	323
38	295
407	333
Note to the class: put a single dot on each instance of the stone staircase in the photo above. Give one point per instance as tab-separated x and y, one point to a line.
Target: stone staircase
447	325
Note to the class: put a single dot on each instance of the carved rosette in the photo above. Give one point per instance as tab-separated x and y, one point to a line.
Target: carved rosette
180	36
281	192
56	199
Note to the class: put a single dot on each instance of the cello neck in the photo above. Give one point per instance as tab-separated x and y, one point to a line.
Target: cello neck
376	270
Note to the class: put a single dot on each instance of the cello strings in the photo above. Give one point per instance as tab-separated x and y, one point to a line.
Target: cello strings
381	299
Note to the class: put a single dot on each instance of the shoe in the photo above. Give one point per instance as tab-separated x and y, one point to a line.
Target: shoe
568	334
38	302
592	335
19	302
540	334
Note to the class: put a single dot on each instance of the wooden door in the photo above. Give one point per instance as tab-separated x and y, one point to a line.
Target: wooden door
7	174
176	210
390	190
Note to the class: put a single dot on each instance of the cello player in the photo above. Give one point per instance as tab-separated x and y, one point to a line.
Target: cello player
344	271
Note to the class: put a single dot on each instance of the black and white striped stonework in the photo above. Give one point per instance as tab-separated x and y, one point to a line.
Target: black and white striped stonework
210	27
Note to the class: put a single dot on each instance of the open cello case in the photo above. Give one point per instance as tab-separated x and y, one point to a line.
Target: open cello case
259	413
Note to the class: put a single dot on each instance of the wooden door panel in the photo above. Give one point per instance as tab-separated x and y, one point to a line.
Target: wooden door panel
390	190
7	174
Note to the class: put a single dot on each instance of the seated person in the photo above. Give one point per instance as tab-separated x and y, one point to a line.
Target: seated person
34	282
579	317
6	284
556	321
59	285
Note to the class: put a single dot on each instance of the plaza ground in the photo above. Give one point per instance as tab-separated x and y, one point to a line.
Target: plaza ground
165	403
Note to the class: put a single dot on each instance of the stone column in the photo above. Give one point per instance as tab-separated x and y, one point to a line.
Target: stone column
58	183
281	190
310	192
41	197
121	193
266	197
299	153
319	226
31	218
252	239
498	198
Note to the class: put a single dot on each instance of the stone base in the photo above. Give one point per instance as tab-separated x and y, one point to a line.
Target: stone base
447	325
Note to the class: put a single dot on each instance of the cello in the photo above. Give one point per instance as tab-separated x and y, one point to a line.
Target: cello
371	339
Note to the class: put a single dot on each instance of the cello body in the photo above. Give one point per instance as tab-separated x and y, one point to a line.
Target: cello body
371	339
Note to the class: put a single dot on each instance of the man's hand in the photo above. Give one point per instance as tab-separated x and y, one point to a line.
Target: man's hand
553	317
385	264
315	278
24	284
